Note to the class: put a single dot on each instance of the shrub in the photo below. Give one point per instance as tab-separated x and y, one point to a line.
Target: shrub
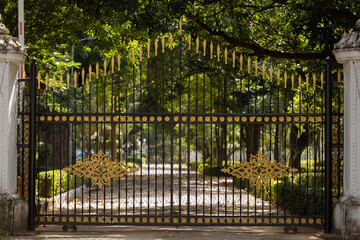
52	183
212	170
312	179
240	183
300	194
132	164
193	165
300	199
135	160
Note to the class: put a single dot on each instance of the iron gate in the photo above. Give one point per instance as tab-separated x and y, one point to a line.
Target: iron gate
179	136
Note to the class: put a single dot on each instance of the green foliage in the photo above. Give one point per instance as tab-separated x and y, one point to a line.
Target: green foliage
133	164
296	30
194	165
240	183
4	236
208	168
54	182
301	194
211	170
300	199
43	154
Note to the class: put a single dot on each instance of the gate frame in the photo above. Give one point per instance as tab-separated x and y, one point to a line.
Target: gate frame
328	146
32	143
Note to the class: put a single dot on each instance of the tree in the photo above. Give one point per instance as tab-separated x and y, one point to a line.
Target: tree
272	30
294	30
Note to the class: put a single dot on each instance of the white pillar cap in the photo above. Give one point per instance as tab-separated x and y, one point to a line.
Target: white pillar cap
348	48
10	45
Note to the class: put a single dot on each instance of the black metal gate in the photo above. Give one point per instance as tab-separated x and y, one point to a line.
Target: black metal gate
180	136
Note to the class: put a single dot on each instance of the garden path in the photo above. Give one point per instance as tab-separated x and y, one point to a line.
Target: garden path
151	190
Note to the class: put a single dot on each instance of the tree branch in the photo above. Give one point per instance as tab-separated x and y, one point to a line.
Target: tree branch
256	48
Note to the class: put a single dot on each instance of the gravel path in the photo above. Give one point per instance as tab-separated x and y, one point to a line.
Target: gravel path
152	189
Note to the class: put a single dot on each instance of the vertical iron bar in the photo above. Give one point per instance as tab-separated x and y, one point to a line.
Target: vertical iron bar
307	156
217	137
224	137
172	140
148	139
53	152
233	143
82	147
196	133
32	145
133	137
156	137
113	136
270	149
89	144
203	128
37	131
248	183
46	154
75	144
97	145
180	131
61	151
163	135
328	139
188	137
104	135
241	137
69	155
211	135
126	148
262	135
141	143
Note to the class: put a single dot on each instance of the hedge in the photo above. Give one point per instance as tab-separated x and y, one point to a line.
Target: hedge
209	169
300	194
51	183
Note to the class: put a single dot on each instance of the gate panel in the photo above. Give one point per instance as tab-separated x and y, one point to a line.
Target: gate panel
180	137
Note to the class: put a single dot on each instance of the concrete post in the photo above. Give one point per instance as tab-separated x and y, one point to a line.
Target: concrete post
347	209
13	207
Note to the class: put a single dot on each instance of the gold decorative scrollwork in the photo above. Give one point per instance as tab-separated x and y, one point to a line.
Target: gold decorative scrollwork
259	170
100	169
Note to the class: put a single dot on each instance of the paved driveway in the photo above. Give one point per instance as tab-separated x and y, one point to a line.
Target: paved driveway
153	188
181	233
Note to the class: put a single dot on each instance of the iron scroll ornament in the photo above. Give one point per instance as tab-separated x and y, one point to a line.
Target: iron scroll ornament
100	169
259	170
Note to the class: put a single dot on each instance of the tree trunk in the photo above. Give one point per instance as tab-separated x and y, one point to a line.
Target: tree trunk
220	146
282	142
279	153
277	148
298	144
113	141
252	138
113	135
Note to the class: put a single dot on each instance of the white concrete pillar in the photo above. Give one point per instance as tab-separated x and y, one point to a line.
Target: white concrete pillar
12	55
12	206
347	210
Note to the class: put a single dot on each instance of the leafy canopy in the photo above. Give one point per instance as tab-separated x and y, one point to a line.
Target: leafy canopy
282	29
